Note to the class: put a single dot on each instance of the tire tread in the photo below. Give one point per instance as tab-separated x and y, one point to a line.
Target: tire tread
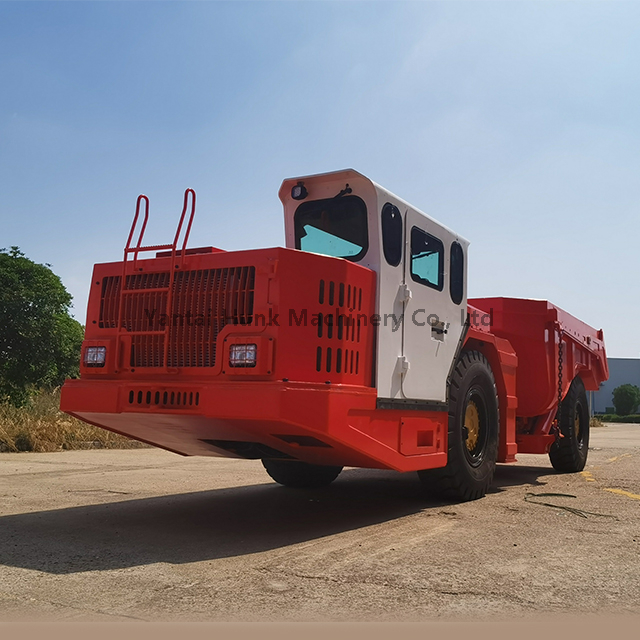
300	475
565	456
448	482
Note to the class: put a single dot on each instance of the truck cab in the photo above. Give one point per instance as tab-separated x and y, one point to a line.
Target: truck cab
420	267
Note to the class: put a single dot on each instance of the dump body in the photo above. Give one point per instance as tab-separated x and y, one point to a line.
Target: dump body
535	329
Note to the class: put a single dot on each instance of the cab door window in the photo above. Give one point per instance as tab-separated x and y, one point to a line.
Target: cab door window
427	259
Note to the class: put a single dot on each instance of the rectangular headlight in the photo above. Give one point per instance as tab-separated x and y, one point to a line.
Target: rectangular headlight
243	355
95	356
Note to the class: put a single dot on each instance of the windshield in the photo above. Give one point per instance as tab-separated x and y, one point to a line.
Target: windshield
334	227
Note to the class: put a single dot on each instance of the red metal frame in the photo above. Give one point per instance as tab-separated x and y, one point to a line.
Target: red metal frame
311	394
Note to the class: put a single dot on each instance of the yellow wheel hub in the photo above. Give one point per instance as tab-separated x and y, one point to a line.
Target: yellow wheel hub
472	425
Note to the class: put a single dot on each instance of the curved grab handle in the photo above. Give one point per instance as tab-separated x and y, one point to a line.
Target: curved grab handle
141	198
187	193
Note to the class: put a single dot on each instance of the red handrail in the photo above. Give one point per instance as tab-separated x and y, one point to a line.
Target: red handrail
191	215
139	247
127	248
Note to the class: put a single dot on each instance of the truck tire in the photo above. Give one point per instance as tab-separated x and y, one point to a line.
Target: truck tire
300	475
569	453
474	418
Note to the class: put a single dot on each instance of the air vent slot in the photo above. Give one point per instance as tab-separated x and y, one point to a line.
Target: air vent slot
176	399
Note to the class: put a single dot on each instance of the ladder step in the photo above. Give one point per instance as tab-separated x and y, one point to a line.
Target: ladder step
149	247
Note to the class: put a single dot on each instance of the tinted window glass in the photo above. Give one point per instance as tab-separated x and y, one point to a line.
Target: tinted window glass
456	282
334	227
427	259
392	234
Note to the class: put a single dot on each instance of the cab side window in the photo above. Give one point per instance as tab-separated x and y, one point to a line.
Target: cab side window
456	280
427	259
392	239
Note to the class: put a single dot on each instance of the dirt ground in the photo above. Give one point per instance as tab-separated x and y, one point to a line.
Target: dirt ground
145	534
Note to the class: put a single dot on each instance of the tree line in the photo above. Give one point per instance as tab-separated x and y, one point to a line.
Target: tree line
39	340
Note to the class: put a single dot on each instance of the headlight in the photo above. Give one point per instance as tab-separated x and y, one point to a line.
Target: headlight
95	356
243	355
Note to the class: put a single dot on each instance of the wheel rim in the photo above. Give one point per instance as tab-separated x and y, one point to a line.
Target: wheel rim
472	425
475	427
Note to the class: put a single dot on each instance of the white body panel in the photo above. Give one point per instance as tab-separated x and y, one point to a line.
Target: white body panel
412	362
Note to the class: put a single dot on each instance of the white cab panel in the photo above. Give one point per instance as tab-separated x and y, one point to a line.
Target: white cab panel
413	359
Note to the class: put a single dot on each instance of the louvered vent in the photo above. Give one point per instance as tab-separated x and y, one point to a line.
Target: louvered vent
339	328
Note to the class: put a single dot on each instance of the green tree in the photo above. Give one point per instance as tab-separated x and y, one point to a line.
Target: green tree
626	399
39	341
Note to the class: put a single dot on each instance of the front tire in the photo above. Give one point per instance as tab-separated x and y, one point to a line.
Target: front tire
300	475
569	453
472	435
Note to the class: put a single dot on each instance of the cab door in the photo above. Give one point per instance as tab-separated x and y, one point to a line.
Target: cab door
435	306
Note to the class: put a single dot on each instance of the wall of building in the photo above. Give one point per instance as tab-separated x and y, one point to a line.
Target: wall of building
621	371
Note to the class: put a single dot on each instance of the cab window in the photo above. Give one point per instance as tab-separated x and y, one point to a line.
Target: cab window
427	259
391	234
334	227
456	280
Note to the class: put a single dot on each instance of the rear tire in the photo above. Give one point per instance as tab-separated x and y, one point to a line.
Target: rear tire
473	433
569	454
300	475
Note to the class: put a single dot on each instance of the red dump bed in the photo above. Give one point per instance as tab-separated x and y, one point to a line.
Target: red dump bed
535	328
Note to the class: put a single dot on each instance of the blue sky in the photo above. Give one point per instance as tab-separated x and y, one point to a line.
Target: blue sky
516	124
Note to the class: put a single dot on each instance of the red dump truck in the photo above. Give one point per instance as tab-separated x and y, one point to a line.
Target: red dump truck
353	346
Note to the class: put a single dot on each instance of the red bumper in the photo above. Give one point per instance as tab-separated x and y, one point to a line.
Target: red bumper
321	424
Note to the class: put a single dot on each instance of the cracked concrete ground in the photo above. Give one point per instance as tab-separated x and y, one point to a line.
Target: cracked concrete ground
145	534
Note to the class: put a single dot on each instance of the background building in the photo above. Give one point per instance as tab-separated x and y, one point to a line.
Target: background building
621	371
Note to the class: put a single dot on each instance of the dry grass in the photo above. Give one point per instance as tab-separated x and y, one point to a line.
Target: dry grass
594	423
43	427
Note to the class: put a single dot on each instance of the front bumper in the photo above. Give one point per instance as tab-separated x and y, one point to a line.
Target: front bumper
319	424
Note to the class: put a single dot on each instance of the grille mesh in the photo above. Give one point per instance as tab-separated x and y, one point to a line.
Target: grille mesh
202	303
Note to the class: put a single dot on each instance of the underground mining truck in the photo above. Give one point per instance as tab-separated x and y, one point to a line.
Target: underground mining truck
354	346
